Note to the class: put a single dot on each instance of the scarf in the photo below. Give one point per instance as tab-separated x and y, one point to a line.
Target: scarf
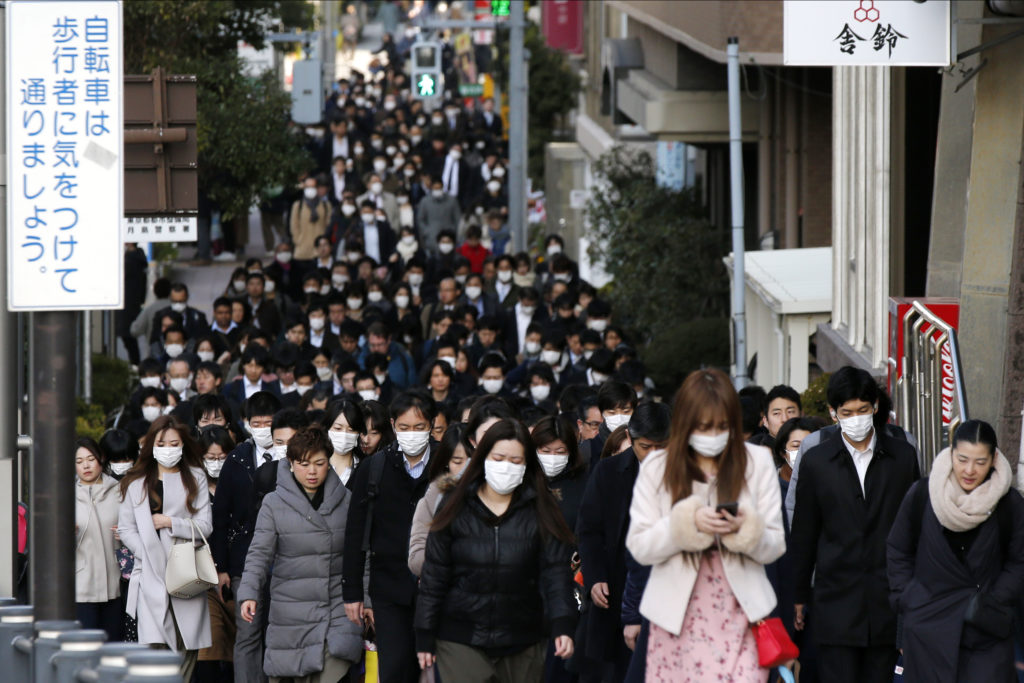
960	510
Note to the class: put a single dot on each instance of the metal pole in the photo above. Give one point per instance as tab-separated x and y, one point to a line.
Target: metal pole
739	319
52	527
328	56
9	396
518	102
87	356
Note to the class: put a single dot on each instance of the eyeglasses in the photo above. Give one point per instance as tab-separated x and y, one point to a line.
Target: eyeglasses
592	424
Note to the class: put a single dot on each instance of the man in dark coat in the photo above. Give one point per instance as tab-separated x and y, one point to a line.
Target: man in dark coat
602	655
850	489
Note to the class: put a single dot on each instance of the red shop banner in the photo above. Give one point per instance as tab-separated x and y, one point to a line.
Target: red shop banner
562	23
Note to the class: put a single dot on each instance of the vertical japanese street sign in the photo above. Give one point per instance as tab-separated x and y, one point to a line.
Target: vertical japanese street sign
867	33
562	25
65	147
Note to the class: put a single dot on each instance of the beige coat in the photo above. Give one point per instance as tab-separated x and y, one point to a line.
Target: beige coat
97	576
305	230
660	532
423	517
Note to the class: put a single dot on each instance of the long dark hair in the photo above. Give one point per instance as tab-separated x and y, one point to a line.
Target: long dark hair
706	395
453	437
549	516
146	467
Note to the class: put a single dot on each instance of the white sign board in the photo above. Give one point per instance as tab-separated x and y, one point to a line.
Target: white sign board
867	33
171	228
65	173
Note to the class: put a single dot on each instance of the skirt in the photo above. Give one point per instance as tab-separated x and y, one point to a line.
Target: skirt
716	643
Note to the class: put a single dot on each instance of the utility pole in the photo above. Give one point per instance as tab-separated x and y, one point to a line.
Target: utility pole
518	102
329	44
739	318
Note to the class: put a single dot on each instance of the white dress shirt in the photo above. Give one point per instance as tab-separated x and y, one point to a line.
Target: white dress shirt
451	176
250	387
502	289
339	148
522	322
861	459
371	241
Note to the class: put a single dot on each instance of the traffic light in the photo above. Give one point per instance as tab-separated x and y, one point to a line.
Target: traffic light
427	79
501	8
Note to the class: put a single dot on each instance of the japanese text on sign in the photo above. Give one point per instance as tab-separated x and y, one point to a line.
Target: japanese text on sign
64	135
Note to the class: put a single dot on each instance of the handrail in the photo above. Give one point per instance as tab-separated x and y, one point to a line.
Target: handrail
919	397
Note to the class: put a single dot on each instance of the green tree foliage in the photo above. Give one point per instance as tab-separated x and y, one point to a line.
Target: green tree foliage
244	141
669	284
554	87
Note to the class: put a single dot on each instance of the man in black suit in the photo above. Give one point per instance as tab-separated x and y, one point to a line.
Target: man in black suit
193	321
525	313
601	530
234	520
253	362
488	122
850	488
266	315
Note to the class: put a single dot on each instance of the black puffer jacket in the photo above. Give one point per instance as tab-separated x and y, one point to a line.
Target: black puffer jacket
494	583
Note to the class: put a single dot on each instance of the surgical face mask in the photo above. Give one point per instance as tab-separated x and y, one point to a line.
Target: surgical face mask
858	427
473	292
317	323
174	350
353	303
492	386
380	378
368	395
302	389
461	279
409	240
150	413
311	290
598	325
599	377
379	166
493	186
479	211
325	289
376	188
343	442
415	279
450	360
588	353
437	194
324	373
120	468
528	310
269	286
348	209
309	193
409	172
376	143
412	443
284	256
213	467
504	276
179	306
456	154
498	172
554	249
353	256
180	384
436	120
375	296
502	476
709	446
445	247
398	163
551	357
540	392
168	456
239	285
150	382
358	149
339	280
562	277
261	435
532	348
279	451
615	421
415	139
553	464
791	456
402	301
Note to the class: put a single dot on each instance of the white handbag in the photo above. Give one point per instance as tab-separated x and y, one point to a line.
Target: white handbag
190	570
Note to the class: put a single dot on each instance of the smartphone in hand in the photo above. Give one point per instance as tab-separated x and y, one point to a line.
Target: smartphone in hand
731	508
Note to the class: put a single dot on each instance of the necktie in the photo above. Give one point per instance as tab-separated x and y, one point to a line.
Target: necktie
267	457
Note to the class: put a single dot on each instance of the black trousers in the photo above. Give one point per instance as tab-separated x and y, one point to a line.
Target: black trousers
104	615
841	664
396	643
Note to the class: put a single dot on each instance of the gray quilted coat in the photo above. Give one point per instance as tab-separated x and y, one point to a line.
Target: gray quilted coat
304	546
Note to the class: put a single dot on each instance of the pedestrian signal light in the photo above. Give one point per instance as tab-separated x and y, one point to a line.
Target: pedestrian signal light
426	85
501	8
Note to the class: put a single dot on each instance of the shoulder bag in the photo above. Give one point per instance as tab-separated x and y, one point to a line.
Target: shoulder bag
190	570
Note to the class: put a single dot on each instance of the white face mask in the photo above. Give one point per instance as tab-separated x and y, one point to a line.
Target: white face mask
120	468
354	256
368	395
791	456
325	289
168	456
380	378
284	256
615	421
180	384
174	350
375	296
205	356
505	275
402	300
445	247
302	389
339	280
179	306
354	304
858	427
554	249
563	277
150	413
551	357
473	292
492	386
213	467
553	464
324	373
238	285
415	139
343	442
450	360
309	193
502	476
415	279
498	172
493	186
376	188
709	446
408	240
598	325
527	310
437	194
269	286
540	392
379	166
348	209
412	443
532	348
317	324
310	290
150	382
279	451
261	435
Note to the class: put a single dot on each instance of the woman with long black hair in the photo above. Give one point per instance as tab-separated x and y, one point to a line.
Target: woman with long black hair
494	585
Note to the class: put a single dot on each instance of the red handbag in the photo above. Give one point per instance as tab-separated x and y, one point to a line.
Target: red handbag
774	646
